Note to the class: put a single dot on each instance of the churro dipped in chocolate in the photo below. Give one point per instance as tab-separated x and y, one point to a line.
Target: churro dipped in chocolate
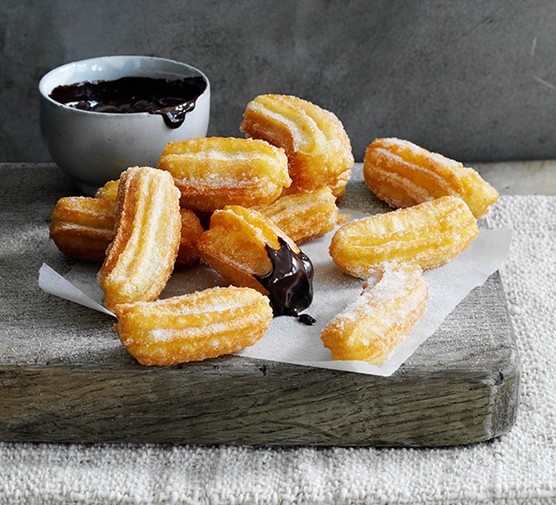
249	250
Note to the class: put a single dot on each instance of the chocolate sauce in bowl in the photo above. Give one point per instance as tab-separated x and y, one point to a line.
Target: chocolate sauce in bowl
172	99
289	282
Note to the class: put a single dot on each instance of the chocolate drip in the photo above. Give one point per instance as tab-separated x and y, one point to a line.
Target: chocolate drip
128	95
290	281
306	319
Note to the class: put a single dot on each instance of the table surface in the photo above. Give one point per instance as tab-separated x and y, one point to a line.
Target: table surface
521	177
463	381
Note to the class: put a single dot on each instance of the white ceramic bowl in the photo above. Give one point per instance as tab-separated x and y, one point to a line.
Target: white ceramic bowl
95	147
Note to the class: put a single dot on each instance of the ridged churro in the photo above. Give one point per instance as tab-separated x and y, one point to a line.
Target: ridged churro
303	216
404	174
392	302
214	172
318	148
142	254
193	327
82	227
429	234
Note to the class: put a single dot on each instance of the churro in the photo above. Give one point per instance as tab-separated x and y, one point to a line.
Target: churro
404	174
82	227
214	172
303	216
249	250
191	230
393	300
429	234
318	148
141	256
193	327
109	191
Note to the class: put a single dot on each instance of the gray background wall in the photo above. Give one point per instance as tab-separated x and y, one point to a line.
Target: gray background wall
475	80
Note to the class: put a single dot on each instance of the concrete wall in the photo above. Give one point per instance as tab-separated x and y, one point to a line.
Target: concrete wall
475	80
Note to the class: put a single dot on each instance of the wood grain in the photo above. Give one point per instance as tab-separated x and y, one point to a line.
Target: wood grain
64	377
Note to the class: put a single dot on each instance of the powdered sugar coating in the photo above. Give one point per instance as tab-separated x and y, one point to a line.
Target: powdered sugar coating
393	300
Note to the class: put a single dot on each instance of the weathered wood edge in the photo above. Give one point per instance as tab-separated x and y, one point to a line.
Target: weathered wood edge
256	403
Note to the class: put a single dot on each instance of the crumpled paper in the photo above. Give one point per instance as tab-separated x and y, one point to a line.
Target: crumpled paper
290	341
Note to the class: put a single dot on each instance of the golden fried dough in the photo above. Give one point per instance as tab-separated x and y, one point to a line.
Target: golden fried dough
109	191
318	148
214	172
403	174
249	250
141	256
193	327
82	227
191	230
338	185
392	302
429	234
303	216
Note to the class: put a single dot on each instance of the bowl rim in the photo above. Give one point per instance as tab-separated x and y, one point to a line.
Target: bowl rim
46	96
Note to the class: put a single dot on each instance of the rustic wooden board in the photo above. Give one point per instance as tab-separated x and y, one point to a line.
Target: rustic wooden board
64	377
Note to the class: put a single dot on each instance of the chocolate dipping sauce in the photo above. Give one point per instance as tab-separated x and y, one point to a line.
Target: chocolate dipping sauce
172	99
290	282
306	319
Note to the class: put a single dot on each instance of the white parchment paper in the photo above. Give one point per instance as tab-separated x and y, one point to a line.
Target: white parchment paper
290	341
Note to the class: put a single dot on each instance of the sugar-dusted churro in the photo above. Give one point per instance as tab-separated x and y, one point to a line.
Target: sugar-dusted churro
303	216
318	148
82	227
193	327
393	300
191	230
429	234
141	256
404	174
338	185
109	191
214	172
